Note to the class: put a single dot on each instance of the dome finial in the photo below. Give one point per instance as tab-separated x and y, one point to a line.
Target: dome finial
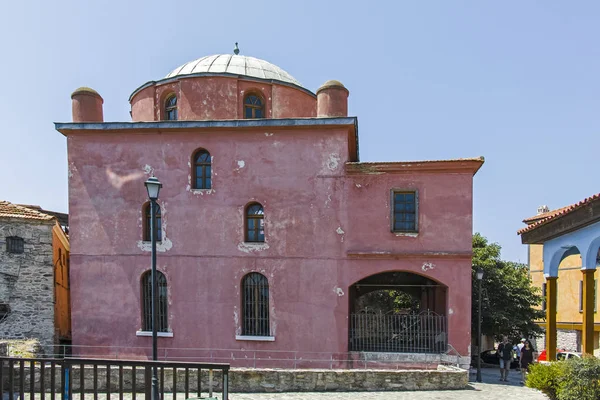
236	51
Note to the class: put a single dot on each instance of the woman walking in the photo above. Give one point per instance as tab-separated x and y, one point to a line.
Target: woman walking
525	360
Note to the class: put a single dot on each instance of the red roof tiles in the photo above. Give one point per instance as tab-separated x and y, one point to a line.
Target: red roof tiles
552	215
9	210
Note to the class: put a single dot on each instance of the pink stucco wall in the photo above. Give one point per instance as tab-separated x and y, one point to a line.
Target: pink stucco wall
317	219
220	98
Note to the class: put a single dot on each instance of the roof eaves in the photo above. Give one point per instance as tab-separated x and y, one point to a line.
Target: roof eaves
65	127
560	213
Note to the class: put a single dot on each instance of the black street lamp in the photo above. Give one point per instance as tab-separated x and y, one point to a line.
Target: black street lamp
479	278
153	187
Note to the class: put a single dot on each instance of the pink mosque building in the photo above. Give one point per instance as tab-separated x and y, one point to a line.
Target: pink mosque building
274	239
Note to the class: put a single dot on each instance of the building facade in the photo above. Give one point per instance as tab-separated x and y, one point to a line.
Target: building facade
563	246
270	228
31	241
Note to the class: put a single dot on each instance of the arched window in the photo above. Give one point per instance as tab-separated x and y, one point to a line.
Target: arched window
255	223
255	305
171	108
253	107
202	170
162	320
147	222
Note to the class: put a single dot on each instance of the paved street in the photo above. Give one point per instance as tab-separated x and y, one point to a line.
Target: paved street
490	388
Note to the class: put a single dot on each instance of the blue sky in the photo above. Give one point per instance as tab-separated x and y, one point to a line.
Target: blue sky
514	81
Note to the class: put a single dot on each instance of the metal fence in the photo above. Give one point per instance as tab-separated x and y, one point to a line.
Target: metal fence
52	379
393	333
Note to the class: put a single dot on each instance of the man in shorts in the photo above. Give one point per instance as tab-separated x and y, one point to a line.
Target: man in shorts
505	352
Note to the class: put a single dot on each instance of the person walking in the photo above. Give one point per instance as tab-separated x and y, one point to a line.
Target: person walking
525	360
505	351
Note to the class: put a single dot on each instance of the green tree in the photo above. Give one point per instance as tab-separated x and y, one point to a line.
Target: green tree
510	305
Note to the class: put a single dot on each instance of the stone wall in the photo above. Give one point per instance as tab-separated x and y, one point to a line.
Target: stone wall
27	282
569	340
248	380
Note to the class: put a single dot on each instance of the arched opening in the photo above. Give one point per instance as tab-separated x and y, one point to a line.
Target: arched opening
162	323
398	312
171	108
254	106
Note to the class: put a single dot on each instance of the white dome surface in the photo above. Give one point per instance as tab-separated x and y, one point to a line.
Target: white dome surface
234	64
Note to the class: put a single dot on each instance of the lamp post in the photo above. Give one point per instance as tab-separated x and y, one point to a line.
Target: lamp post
153	187
479	278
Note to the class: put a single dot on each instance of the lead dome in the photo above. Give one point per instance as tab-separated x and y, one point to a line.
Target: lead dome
235	65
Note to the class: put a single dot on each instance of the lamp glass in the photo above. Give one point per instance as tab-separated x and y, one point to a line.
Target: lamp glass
479	274
153	187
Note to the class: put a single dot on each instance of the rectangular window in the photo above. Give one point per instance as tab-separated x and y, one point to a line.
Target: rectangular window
404	211
580	296
543	297
15	244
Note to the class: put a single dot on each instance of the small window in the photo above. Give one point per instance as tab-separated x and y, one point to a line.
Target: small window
255	223
255	305
15	244
161	283
202	170
253	107
171	108
405	211
147	223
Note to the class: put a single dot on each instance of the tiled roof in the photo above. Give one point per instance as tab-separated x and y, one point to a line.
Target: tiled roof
558	213
9	210
544	215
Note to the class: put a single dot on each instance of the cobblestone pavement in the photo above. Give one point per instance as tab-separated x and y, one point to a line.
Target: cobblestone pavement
490	388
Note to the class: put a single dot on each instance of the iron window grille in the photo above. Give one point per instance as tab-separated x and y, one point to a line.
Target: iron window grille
404	211
161	282
148	218
543	296
581	295
253	107
15	244
202	170
171	108
255	223
255	305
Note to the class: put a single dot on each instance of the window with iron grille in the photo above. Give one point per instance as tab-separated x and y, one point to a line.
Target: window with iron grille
171	108
202	170
161	282
15	244
253	107
543	296
404	211
255	223
255	305
147	223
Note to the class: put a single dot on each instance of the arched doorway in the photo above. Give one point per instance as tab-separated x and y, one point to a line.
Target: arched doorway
398	312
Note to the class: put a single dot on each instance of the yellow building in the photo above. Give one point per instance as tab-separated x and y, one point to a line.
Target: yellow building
563	254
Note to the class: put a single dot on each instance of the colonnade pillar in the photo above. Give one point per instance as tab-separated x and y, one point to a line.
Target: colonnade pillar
587	331
551	318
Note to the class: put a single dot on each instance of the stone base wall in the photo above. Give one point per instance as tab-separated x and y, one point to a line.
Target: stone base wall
569	340
27	282
245	380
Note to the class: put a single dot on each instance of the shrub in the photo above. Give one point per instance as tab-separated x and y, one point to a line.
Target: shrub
547	378
581	379
574	379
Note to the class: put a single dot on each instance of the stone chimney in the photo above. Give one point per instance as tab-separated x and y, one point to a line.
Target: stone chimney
542	209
